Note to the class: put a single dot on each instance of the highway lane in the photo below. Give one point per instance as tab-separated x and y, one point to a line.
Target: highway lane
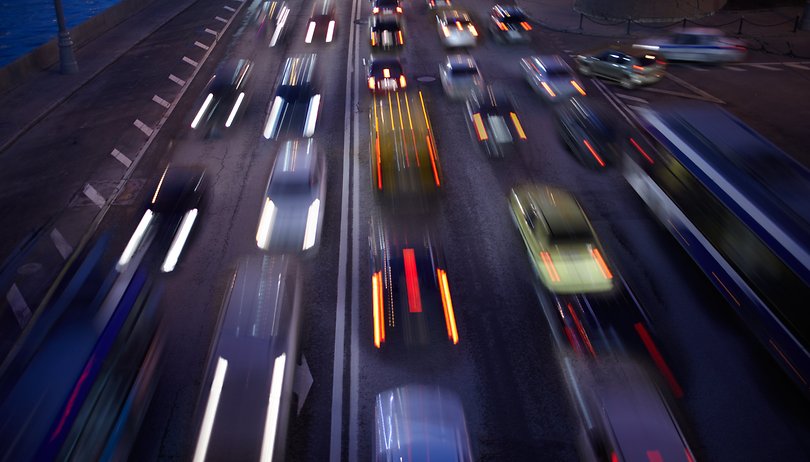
503	367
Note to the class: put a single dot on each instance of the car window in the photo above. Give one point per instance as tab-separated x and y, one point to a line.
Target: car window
604	56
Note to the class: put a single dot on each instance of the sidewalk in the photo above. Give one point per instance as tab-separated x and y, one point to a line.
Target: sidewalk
769	31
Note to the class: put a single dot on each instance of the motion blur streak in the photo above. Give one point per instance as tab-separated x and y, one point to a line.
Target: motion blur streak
550	268
179	241
518	126
787	361
730	294
160	183
312	116
310	31
273	403
135	240
642	151
447	302
272	121
433	160
658	359
479	127
72	399
578	87
654	456
266	224
548	89
204	107
376	297
211	410
330	31
235	109
581	330
593	153
412	282
602	265
312	224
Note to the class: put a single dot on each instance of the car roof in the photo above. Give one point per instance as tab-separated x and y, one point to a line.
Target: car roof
560	210
380	63
550	62
461	62
230	74
177	188
295	160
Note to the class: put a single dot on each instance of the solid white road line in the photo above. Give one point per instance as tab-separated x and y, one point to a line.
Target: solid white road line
765	67
18	306
354	359
93	195
190	61
177	80
142	127
335	447
161	101
221	19
61	244
201	45
798	66
632	98
691	87
120	157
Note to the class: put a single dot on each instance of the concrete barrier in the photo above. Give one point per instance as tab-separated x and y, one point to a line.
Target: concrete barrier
47	55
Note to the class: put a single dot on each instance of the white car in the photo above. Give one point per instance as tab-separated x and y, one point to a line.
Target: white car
460	76
697	44
456	28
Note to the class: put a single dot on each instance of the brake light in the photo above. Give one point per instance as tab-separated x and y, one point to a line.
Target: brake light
548	89
447	304
402	82
526	25
480	130
373	39
501	25
578	87
377	300
602	265
375	10
550	268
637	68
399	9
459	26
412	281
518	127
371	85
399	36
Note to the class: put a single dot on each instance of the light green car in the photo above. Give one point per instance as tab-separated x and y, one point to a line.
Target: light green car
562	245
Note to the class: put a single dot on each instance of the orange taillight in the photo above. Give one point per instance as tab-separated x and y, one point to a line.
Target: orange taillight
447	304
602	265
379	316
550	268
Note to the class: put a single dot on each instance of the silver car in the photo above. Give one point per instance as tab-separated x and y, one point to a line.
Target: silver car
460	76
551	77
417	422
292	209
456	28
697	44
629	68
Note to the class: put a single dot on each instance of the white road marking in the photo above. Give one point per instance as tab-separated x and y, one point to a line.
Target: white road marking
201	45
190	61
221	19
691	87
695	68
94	195
120	157
765	66
632	98
354	359
161	101
798	66
61	244
177	80
336	424
229	8
735	69
211	31
142	127
18	306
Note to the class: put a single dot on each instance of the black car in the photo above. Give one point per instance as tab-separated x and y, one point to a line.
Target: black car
589	131
385	74
225	97
386	7
493	122
509	24
321	25
386	32
170	215
294	109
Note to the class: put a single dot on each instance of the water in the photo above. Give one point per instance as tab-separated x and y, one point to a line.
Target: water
27	24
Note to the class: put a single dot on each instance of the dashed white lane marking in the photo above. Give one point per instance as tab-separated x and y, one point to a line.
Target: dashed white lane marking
177	80
120	157
632	98
221	19
735	69
765	66
695	68
190	61
18	305
201	45
61	244
211	31
161	101
142	127
797	66
93	195
229	8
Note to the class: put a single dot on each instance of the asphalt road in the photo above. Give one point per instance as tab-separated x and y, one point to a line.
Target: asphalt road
737	404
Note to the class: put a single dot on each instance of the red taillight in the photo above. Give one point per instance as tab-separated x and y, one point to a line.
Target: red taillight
412	281
643	153
638	68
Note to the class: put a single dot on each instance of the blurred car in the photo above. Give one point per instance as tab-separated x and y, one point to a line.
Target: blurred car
623	414
436	4
271	18
386	7
169	217
226	96
296	105
405	167
630	68
420	423
460	76
551	77
562	245
456	28
385	74
386	32
493	122
697	44
410	293
588	129
509	24
292	210
321	26
246	396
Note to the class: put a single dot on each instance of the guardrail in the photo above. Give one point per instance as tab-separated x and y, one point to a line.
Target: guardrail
684	22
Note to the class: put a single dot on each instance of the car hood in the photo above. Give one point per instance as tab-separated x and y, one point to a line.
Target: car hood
577	271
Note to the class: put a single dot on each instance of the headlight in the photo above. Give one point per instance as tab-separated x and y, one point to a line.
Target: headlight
266	224
312	224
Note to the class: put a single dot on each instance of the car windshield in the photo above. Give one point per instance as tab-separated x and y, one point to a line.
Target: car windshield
463	71
287	185
560	72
